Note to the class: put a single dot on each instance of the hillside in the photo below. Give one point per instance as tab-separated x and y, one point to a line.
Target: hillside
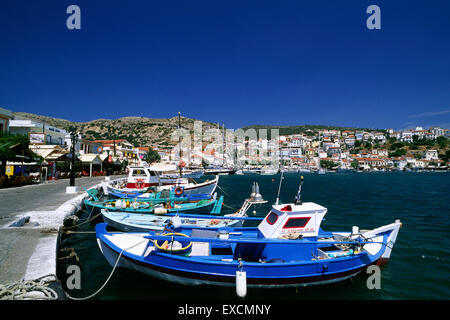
288	130
142	131
139	131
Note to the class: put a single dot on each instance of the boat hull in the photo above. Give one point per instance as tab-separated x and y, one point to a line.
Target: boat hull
146	222
207	187
209	206
190	278
194	271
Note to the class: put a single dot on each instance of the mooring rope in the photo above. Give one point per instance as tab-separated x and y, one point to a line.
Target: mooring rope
84	222
29	290
223	191
110	275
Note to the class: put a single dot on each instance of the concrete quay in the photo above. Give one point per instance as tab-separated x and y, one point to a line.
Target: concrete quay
29	252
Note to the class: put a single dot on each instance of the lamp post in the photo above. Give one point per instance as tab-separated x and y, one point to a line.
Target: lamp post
74	139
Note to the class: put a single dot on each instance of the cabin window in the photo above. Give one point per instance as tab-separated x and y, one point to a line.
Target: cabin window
139	173
152	173
296	222
272	218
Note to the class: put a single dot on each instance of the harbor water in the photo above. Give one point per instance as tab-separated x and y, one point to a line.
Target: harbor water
419	264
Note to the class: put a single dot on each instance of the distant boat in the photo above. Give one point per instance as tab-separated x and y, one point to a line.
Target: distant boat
220	171
321	171
268	171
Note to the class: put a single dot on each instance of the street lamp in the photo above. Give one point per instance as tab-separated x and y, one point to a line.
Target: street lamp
74	139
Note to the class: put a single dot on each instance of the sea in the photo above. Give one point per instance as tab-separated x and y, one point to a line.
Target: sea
418	268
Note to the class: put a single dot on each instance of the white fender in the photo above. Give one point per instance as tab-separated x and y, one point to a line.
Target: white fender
241	283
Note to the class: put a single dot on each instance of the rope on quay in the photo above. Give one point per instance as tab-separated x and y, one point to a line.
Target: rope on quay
29	290
109	277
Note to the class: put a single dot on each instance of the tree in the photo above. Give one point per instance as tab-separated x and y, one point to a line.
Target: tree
10	146
327	164
442	141
152	156
355	164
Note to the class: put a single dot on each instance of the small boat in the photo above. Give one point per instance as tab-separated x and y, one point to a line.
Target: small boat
268	171
151	194
194	174
138	222
288	248
158	206
321	171
141	178
219	171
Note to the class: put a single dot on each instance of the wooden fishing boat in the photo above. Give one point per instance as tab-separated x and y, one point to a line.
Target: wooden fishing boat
288	248
137	222
141	178
157	206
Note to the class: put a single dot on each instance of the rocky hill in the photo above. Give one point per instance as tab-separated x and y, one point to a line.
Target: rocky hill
139	131
142	131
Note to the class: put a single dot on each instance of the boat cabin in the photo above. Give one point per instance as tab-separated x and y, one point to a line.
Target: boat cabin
291	221
285	222
148	176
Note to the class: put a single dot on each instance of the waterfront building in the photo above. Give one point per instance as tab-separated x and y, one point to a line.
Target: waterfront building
38	132
5	116
120	148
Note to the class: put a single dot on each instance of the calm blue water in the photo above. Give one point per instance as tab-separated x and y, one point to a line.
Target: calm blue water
418	268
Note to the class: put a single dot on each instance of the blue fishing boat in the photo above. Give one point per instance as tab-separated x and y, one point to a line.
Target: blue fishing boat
288	248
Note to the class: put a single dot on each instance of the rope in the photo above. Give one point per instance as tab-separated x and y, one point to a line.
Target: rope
109	277
223	191
84	222
29	290
223	203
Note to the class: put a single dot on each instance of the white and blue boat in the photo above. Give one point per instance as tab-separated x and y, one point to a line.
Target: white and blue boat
288	248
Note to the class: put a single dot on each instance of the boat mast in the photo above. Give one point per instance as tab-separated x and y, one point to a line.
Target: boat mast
179	143
279	188
297	199
223	146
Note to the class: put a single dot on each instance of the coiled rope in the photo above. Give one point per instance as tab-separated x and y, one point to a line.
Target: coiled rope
29	290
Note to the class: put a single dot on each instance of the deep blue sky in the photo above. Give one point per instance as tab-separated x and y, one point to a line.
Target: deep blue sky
233	62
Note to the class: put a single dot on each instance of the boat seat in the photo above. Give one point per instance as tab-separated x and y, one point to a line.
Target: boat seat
199	249
202	248
200	233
